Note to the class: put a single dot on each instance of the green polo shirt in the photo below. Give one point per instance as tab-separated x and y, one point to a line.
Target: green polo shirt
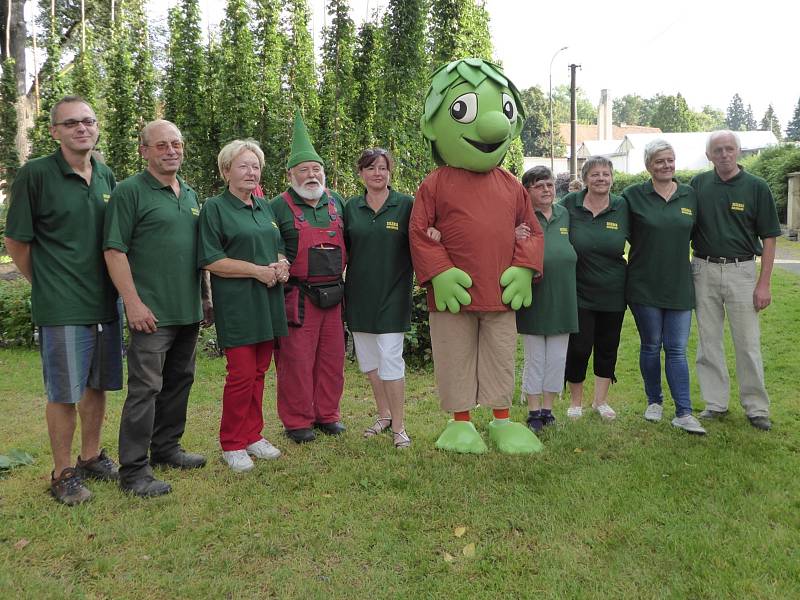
659	271
245	310
316	216
733	216
554	309
600	244
158	232
61	217
379	272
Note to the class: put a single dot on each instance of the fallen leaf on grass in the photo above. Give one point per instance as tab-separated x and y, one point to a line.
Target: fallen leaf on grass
459	531
327	495
145	557
21	544
448	557
469	550
578	450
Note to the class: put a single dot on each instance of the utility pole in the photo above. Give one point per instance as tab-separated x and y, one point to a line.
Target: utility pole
573	118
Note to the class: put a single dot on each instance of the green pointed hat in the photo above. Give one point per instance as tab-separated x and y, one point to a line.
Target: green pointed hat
302	148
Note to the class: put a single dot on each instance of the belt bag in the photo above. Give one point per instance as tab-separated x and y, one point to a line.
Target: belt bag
324	295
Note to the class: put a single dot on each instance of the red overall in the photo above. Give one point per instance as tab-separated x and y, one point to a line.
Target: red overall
310	362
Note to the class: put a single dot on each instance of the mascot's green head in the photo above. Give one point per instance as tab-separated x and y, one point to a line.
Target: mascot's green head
472	112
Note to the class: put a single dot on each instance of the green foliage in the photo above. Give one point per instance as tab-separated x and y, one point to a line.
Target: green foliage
710	119
417	352
121	113
300	69
9	159
774	164
144	94
672	114
459	29
793	128
623	180
536	128
16	326
365	92
736	116
238	105
631	109
515	158
15	458
51	90
85	73
770	122
586	112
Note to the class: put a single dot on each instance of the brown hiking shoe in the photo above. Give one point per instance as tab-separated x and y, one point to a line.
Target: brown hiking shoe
69	488
101	468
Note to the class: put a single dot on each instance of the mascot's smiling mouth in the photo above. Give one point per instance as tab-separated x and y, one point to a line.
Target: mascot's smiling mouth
486	148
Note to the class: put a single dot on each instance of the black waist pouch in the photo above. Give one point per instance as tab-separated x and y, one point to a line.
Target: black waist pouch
324	295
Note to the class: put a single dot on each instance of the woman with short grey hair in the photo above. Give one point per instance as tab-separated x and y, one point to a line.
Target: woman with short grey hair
659	289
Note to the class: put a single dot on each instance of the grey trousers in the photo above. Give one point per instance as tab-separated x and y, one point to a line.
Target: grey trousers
160	377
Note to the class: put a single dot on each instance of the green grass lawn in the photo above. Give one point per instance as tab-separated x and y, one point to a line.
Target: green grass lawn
609	510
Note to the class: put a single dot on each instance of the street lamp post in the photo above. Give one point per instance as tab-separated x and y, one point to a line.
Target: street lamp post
552	144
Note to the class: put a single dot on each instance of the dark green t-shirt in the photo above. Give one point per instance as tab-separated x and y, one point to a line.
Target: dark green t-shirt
316	216
245	310
555	302
379	272
659	271
53	209
600	244
732	215
158	232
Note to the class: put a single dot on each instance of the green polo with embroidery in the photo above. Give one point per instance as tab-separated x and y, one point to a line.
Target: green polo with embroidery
554	309
316	216
600	244
245	310
379	272
733	216
158	232
61	217
659	271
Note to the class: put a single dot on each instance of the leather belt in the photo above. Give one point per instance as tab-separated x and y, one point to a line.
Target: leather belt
722	260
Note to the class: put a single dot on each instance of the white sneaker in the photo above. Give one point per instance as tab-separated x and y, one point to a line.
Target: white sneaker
654	412
688	423
238	460
263	449
605	411
575	412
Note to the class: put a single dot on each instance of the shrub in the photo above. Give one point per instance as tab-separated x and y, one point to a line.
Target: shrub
16	325
774	165
623	180
418	352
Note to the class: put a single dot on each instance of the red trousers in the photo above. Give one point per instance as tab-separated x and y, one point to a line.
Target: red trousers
242	419
310	367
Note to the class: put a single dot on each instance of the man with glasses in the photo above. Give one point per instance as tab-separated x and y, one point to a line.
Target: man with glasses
150	243
54	235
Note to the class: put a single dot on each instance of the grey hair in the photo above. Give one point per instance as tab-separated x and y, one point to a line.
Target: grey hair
721	133
654	147
595	161
539	173
144	135
66	100
233	149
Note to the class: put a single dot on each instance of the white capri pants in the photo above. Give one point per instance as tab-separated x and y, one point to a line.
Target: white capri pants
381	351
545	360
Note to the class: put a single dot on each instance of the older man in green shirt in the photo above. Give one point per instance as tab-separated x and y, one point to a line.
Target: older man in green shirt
150	242
736	221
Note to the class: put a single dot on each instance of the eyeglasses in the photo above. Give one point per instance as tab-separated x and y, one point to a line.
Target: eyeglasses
374	152
541	185
164	146
73	123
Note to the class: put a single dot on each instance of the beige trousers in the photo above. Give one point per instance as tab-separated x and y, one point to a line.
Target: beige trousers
720	290
473	358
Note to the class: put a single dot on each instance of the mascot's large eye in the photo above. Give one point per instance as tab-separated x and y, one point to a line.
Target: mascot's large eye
509	108
464	109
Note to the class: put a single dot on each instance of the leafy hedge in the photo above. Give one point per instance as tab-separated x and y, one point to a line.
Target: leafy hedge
16	326
774	165
418	340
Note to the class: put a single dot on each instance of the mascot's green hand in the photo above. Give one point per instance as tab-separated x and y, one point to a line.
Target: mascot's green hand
516	283
449	289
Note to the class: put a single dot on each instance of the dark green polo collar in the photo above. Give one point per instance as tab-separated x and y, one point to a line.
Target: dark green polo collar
236	202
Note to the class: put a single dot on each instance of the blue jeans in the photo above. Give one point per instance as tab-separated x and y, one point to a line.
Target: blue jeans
668	328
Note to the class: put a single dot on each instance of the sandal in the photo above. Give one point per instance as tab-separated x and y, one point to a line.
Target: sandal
605	411
381	424
401	439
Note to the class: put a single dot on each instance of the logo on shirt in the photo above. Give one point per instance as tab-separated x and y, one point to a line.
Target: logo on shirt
686	211
393	225
737	206
106	198
195	211
564	230
275	225
611	225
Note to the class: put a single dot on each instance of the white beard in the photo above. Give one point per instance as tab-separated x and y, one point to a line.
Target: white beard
310	194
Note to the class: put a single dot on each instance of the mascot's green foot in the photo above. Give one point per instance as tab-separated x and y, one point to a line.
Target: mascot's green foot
514	438
461	436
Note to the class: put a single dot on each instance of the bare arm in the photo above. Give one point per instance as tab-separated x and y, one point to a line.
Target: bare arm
20	253
140	317
234	268
762	296
205	298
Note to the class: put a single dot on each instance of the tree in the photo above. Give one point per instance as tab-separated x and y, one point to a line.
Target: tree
535	134
459	29
628	109
736	117
749	120
770	122
586	112
144	94
9	158
710	119
365	92
300	68
672	114
336	137
793	128
85	74
51	90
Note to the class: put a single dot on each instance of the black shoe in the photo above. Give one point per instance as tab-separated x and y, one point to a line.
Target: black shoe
101	468
331	428
301	435
548	418
762	423
68	487
179	460
535	422
146	487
